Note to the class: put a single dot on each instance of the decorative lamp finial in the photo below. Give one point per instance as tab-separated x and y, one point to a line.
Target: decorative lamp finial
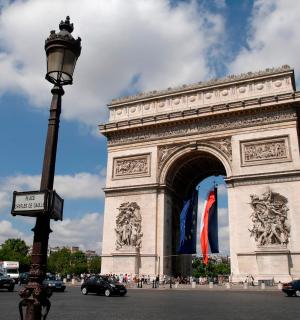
66	25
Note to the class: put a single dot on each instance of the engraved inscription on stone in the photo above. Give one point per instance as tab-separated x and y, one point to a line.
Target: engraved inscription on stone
133	166
269	219
265	151
129	226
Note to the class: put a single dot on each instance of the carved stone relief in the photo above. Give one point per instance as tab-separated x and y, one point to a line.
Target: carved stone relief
224	145
164	152
201	126
133	166
269	219
265	151
129	226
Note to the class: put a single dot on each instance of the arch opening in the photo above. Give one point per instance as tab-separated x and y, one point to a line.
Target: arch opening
186	173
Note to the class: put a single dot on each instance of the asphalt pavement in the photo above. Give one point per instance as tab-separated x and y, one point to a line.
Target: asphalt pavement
164	303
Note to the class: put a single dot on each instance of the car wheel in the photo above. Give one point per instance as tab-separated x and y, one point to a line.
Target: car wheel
107	292
289	294
297	293
10	289
122	294
84	291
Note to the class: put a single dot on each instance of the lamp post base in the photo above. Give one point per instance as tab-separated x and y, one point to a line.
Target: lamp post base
35	300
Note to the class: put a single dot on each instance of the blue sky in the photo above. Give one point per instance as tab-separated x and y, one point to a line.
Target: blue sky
127	47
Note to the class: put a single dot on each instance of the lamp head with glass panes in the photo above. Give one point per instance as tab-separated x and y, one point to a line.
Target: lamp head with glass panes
62	53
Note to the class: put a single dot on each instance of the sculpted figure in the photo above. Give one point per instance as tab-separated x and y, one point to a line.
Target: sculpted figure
269	219
128	226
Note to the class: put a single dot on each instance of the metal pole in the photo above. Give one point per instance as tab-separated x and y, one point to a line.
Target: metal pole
35	296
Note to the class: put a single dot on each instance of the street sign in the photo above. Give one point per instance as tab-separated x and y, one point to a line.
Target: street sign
31	203
57	207
37	203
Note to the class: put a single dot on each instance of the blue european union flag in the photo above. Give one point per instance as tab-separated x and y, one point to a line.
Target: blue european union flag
188	225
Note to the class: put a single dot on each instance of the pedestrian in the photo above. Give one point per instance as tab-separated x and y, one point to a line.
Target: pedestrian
157	281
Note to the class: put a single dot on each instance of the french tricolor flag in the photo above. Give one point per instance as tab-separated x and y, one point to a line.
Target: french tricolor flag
209	226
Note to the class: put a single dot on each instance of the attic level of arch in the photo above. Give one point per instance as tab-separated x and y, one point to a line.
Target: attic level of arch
249	104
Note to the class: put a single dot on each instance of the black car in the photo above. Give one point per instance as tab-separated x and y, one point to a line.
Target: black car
54	284
292	288
103	285
6	282
24	277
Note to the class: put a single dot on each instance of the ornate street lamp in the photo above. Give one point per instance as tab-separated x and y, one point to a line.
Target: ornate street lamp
62	52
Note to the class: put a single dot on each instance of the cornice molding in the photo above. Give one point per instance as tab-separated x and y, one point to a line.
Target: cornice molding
263	178
132	190
211	110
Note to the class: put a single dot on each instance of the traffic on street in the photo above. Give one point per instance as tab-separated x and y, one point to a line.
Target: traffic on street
163	303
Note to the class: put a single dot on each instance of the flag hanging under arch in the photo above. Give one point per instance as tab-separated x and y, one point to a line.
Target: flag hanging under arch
209	226
188	225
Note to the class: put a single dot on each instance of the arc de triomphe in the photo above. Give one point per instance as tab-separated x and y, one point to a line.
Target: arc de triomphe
161	144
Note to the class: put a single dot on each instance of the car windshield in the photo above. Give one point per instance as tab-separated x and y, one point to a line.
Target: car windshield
110	280
50	277
15	271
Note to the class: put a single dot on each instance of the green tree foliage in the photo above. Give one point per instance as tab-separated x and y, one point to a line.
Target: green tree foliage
64	262
212	269
59	262
95	265
16	250
78	263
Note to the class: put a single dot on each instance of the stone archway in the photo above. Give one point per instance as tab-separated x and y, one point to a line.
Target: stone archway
182	172
245	127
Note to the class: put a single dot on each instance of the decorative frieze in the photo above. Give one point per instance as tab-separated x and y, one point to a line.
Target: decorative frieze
132	166
269	219
129	226
265	151
203	125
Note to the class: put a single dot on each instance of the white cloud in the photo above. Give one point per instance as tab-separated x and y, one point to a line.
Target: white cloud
221	4
78	186
85	232
7	231
4	200
223	217
272	37
222	190
147	39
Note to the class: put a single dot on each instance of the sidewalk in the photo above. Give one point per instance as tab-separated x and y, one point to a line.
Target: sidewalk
218	287
223	287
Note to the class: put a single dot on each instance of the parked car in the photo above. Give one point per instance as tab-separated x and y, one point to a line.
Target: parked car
6	282
292	288
54	284
24	277
103	285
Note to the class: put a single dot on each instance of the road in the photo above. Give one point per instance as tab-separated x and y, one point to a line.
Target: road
173	304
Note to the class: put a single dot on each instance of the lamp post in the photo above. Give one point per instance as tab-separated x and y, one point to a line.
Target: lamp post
62	51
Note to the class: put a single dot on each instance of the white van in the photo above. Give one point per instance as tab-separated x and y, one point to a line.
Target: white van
10	268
